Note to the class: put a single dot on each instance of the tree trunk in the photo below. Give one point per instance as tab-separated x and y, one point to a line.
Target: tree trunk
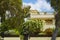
26	37
57	24
2	20
2	35
55	33
21	37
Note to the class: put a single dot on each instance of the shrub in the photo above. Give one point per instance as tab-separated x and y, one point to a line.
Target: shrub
33	27
49	31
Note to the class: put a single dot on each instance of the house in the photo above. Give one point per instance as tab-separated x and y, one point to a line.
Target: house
47	18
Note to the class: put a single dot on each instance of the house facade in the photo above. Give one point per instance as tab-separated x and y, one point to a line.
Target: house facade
47	18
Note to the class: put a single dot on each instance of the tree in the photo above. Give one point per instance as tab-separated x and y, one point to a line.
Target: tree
56	5
3	8
17	14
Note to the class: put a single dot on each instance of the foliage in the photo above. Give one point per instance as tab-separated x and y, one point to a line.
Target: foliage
12	32
17	14
55	4
32	26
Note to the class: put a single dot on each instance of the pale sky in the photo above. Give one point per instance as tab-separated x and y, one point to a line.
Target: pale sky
40	5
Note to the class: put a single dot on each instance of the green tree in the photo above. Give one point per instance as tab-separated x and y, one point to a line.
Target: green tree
17	14
56	5
3	8
14	22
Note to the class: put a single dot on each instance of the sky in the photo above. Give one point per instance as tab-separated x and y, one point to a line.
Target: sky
40	5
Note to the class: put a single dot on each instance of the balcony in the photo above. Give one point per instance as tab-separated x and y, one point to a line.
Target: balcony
42	16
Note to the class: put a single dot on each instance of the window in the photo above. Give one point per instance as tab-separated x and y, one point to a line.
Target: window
48	22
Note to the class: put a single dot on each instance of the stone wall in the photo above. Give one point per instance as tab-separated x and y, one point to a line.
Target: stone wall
31	38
